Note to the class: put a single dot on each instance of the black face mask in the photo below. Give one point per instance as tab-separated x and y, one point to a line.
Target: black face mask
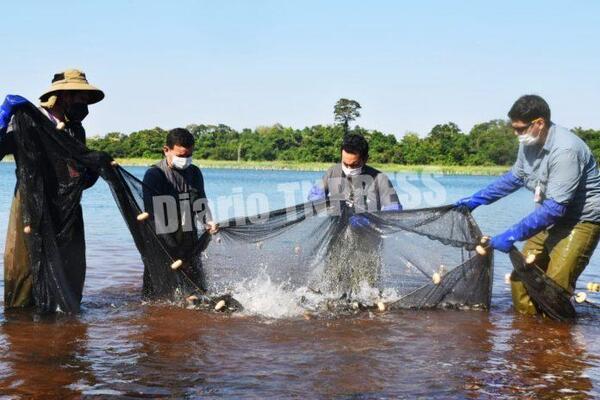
76	112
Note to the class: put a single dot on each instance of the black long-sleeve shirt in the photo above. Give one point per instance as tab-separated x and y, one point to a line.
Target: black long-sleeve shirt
189	181
157	184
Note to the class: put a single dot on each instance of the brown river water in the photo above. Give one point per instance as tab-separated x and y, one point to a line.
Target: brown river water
119	347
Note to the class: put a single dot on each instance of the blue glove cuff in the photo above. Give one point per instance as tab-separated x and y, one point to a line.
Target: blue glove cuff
359	221
544	216
6	109
501	187
316	193
392	207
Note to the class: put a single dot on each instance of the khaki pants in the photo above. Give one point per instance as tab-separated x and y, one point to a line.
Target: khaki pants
17	269
562	252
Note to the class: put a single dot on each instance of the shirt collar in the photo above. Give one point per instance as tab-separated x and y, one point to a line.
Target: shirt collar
550	138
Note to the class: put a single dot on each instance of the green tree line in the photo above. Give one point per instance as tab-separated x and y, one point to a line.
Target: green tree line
488	143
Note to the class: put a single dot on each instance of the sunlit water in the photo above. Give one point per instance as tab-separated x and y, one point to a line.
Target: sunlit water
121	347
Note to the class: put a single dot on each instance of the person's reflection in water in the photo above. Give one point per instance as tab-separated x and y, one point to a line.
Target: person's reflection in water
46	358
547	359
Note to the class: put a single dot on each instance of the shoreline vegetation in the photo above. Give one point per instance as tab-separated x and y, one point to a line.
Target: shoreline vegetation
318	166
323	166
489	148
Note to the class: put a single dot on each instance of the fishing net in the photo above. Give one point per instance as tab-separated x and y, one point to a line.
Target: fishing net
408	259
414	259
53	169
548	297
404	259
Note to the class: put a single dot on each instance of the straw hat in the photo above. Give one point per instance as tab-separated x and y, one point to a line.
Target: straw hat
71	79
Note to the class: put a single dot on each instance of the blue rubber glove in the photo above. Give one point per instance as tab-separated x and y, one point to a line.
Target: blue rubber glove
6	109
544	216
501	187
316	193
392	207
359	221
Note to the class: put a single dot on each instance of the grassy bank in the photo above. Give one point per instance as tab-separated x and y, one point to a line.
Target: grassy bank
317	166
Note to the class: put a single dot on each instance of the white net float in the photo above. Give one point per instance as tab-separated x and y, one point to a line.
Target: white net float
143	216
580	297
220	305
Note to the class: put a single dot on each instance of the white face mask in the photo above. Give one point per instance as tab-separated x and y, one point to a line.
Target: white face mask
527	139
181	162
351	171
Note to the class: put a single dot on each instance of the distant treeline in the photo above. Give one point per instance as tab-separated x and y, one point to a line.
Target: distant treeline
489	143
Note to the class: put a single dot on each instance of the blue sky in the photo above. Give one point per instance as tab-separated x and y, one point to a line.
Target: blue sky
247	63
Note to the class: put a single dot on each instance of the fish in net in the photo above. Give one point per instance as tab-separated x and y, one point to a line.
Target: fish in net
413	259
420	258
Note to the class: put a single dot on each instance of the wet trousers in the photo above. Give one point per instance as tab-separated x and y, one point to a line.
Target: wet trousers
563	252
18	279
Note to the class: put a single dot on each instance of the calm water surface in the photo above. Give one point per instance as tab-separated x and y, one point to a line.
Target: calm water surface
120	347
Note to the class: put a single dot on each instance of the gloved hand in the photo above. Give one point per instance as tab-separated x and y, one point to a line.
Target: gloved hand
544	216
392	207
7	108
316	193
501	187
359	221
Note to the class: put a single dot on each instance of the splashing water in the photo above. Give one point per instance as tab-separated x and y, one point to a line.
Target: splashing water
260	296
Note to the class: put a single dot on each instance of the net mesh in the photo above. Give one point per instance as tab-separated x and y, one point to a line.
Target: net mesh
414	259
549	297
421	258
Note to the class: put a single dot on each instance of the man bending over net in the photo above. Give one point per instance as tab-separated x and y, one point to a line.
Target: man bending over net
559	168
354	255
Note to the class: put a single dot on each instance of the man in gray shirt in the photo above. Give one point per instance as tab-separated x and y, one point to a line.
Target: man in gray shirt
352	180
560	170
353	257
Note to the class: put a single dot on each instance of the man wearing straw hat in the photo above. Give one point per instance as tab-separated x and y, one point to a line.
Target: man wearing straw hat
66	104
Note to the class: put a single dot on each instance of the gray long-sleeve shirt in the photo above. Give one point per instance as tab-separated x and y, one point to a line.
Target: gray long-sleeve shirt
565	171
370	191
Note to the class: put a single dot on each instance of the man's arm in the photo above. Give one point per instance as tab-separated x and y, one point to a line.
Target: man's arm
207	219
501	187
388	198
320	192
152	184
565	172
